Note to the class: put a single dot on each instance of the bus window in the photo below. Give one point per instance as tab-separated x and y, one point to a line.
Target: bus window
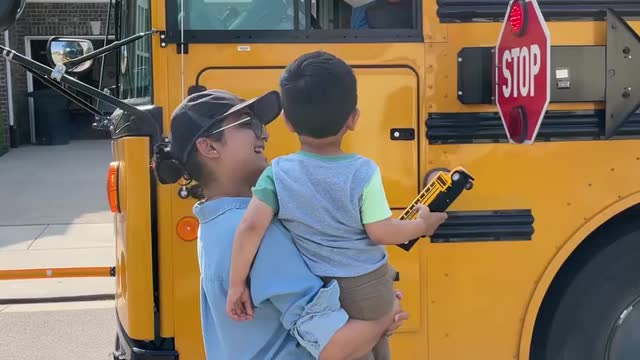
313	15
381	14
135	58
241	14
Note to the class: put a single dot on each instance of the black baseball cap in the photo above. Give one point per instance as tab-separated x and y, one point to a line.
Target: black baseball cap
201	110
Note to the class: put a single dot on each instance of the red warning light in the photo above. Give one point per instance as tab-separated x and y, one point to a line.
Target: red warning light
518	17
518	124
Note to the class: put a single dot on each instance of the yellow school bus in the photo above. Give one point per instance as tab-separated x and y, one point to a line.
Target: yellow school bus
540	260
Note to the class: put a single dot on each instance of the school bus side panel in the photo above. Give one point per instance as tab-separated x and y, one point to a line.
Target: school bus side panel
479	293
186	284
134	278
474	287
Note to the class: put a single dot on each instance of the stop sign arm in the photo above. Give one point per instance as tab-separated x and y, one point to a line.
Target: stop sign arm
623	79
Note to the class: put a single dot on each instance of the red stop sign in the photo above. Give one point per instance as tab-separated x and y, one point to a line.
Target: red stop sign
522	70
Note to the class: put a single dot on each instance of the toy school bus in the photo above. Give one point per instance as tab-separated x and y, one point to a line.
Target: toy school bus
486	286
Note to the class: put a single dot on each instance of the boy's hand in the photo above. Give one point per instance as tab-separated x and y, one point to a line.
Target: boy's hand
430	220
239	306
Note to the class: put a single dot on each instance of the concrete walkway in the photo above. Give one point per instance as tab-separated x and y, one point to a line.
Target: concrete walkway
54	213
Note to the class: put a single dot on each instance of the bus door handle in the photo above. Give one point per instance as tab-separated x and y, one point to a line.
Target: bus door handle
402	134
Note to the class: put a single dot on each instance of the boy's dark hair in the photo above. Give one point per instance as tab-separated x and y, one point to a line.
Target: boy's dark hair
319	94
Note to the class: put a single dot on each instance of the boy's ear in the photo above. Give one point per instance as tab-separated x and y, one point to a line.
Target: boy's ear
353	120
207	148
286	121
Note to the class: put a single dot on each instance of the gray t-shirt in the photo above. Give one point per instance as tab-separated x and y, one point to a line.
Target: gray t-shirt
324	202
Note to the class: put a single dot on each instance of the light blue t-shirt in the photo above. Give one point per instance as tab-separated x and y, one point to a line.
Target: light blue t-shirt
295	314
325	202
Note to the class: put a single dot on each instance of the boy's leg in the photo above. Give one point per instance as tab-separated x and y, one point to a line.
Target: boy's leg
369	297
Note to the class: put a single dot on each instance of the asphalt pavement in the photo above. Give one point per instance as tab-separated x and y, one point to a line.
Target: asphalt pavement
59	331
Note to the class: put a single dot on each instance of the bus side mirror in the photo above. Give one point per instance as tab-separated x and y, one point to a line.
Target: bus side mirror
10	10
61	50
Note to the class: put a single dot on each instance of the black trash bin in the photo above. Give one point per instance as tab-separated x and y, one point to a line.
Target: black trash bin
52	117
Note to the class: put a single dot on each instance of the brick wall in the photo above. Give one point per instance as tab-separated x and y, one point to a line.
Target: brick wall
44	19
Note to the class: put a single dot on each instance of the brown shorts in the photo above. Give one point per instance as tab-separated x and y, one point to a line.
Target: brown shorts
369	297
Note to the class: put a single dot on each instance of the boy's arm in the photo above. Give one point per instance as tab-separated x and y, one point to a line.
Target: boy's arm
385	230
247	239
393	231
249	233
254	223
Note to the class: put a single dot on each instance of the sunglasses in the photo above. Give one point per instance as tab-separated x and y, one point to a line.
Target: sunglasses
247	122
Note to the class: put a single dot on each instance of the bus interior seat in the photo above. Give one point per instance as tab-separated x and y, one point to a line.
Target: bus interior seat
385	15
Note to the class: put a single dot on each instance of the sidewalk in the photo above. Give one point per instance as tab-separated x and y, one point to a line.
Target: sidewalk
54	213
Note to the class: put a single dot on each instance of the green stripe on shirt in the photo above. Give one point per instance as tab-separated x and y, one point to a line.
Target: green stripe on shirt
375	206
265	189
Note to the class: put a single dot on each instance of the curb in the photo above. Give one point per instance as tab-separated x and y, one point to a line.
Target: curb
58	299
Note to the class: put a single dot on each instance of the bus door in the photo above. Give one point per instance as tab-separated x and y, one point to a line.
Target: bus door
239	46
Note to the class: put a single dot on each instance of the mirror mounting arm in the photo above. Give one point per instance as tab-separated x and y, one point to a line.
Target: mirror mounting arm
58	72
103	51
68	94
44	71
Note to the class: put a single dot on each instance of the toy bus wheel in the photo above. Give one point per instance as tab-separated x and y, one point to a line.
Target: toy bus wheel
469	185
593	309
